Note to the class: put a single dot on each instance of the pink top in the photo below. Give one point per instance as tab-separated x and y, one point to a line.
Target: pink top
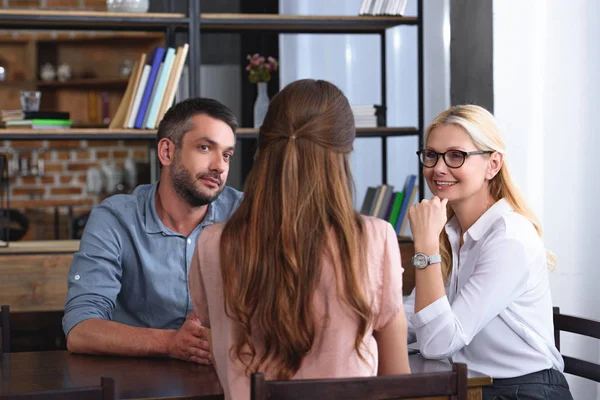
333	354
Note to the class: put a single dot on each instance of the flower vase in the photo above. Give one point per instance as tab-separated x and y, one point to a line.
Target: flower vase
261	104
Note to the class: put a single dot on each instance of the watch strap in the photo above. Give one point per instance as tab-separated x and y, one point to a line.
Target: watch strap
434	259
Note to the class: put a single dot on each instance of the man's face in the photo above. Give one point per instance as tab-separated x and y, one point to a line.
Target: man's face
200	167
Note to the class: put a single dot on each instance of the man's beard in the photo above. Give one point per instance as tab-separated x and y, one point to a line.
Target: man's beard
185	186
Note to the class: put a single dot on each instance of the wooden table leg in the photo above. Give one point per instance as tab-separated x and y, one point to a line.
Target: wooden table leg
475	393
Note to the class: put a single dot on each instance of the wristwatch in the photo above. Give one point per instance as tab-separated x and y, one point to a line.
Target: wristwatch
421	261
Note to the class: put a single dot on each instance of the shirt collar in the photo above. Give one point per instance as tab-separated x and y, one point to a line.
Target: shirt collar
481	226
155	225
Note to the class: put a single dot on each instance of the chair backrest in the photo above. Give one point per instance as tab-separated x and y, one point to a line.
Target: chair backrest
582	326
5	329
449	383
106	391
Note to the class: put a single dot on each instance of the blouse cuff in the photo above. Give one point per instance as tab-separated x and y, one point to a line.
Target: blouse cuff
431	312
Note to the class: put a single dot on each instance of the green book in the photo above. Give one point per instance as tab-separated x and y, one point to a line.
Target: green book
40	121
396	208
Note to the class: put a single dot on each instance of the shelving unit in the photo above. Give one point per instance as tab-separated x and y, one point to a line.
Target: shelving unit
194	23
147	134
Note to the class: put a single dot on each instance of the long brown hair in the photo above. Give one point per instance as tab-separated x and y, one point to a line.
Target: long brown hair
297	207
483	129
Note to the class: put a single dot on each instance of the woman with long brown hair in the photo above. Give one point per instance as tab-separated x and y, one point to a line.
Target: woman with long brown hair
297	284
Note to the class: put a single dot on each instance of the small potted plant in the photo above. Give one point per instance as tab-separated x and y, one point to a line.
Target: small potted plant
259	71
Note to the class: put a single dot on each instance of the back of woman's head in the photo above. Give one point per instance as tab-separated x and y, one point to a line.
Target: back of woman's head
297	209
484	131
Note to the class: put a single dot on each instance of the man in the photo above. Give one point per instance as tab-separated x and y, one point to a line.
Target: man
128	291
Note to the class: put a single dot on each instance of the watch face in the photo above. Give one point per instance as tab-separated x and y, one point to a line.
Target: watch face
420	260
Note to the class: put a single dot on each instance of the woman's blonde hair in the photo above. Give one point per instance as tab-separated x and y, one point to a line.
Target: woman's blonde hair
297	207
483	129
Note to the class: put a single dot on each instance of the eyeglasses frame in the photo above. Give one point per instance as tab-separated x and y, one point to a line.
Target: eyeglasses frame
443	155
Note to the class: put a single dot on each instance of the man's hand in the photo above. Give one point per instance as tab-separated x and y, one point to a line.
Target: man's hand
189	342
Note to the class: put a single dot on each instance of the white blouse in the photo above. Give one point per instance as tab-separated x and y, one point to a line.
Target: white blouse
497	313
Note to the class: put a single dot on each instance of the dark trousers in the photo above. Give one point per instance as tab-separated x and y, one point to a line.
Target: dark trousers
548	384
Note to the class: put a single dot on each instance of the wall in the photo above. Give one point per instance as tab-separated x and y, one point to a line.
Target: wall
471	53
66	163
352	62
546	96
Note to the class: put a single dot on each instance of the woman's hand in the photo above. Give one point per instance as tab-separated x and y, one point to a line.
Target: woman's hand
427	219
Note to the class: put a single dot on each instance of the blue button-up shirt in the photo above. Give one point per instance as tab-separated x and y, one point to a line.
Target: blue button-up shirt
131	268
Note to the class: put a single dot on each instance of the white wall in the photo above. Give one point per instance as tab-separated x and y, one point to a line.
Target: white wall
352	62
546	96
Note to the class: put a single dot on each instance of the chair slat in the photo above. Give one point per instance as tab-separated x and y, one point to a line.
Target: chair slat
585	369
5	328
449	383
581	326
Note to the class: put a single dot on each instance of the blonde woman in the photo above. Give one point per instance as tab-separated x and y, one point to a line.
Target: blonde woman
303	285
482	295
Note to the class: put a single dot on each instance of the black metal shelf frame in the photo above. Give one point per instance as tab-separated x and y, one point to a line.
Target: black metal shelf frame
4	201
194	25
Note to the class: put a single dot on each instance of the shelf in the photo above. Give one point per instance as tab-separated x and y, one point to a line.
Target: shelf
86	20
143	134
222	22
15	36
76	134
300	23
360	132
84	83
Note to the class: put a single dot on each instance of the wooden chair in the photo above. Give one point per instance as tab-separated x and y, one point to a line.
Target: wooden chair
106	391
5	328
582	326
451	383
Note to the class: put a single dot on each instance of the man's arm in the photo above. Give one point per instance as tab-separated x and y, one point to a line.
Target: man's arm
97	336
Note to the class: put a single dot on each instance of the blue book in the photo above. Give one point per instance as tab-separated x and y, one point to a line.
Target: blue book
155	59
408	188
161	83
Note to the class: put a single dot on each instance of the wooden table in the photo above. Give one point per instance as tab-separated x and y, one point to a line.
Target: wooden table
143	378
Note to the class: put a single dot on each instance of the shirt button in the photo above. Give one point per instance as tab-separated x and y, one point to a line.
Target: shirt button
189	241
77	277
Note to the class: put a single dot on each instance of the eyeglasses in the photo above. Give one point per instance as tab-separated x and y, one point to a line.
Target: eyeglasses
452	158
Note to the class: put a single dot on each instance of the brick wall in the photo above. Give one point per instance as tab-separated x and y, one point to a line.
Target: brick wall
96	5
66	163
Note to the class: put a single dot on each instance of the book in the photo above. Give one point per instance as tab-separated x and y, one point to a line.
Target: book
385	202
411	200
375	200
119	118
408	188
153	95
154	60
173	82
138	96
20	115
137	73
40	124
396	208
160	88
368	200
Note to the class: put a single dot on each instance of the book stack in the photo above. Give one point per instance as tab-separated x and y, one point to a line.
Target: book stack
382	202
382	7
364	115
35	119
368	115
151	88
